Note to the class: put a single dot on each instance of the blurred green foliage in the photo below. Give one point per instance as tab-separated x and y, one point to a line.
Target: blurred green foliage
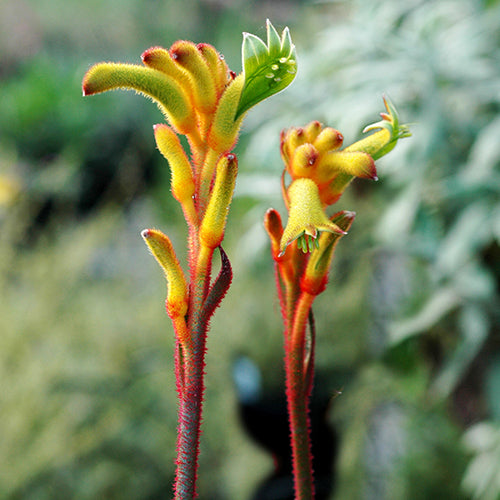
408	329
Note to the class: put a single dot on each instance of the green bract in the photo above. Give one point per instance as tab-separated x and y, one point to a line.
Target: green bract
268	69
390	122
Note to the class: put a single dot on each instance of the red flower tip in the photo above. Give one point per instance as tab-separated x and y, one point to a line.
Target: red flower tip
201	46
147	54
180	49
372	173
87	88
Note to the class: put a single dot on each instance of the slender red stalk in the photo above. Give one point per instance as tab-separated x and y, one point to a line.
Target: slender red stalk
189	425
193	368
298	389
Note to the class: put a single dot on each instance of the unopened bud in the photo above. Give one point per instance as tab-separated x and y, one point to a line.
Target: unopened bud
163	252
214	221
170	147
187	55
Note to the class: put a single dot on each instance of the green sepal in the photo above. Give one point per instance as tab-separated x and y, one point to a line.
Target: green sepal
268	69
390	122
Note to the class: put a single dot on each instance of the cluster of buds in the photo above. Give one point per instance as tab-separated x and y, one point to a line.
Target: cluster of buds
320	171
206	102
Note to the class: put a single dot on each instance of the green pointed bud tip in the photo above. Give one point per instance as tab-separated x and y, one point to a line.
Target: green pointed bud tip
268	68
390	121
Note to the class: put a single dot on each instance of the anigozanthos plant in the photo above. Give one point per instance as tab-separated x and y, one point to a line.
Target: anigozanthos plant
303	251
206	102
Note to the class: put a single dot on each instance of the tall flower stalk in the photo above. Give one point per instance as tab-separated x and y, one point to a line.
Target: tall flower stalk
303	251
204	101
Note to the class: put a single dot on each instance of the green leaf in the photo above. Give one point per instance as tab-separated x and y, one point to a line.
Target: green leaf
268	69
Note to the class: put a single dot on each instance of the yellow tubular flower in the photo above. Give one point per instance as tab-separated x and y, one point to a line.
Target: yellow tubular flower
187	55
225	126
163	252
218	67
162	88
306	216
182	180
214	222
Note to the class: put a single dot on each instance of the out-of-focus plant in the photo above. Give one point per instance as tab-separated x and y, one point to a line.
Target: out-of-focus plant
206	102
433	231
481	479
303	251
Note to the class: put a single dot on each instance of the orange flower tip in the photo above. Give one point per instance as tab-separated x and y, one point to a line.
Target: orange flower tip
146	233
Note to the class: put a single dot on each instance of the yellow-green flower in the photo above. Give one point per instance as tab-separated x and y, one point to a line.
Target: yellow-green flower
306	217
313	152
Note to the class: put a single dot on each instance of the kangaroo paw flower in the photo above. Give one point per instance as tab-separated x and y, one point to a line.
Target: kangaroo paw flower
163	252
306	216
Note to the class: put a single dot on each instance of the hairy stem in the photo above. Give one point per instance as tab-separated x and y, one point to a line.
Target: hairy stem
192	391
297	392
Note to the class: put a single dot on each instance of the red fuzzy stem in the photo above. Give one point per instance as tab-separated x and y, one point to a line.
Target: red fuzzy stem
297	391
193	367
188	432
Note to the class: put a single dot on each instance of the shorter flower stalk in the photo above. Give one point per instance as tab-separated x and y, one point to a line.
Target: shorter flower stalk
206	102
303	251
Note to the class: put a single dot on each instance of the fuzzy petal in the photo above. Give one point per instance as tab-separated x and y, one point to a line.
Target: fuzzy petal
160	87
306	215
355	163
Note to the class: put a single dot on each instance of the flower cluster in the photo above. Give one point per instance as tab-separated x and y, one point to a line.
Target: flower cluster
303	251
206	102
320	171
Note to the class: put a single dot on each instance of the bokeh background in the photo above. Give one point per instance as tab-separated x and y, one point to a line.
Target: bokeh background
408	387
